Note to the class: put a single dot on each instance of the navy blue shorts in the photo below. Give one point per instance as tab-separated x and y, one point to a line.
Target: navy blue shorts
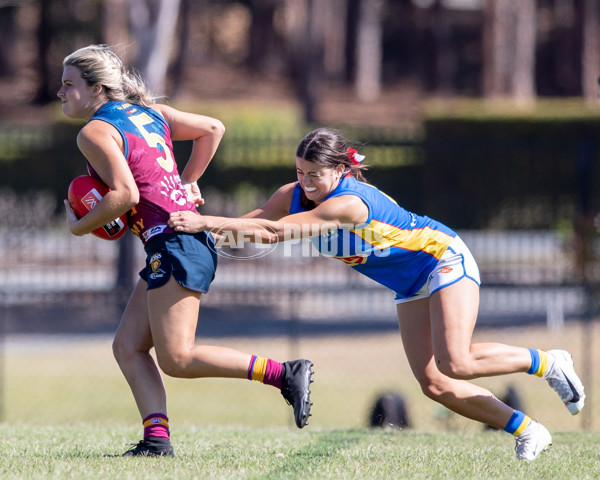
189	257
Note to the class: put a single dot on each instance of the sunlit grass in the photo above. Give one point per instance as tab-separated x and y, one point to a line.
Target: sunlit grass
79	452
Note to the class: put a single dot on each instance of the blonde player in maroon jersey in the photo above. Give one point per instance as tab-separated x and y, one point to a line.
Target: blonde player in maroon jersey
127	141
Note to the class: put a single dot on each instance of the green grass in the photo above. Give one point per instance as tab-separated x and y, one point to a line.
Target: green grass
66	405
78	452
56	380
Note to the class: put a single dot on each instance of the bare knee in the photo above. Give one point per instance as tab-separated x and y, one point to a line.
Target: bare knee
125	351
175	364
122	350
457	368
432	388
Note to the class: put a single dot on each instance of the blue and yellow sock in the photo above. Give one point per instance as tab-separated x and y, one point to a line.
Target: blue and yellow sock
517	423
539	362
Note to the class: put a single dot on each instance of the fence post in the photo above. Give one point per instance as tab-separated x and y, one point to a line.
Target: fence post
125	262
585	163
3	330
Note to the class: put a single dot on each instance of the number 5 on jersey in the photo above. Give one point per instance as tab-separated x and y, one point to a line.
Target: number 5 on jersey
153	140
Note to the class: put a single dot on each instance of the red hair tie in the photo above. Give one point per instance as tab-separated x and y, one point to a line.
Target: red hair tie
355	157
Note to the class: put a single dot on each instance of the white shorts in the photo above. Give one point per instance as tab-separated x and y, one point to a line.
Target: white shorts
456	263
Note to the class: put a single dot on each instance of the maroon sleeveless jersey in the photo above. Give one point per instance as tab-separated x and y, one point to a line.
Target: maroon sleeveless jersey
149	152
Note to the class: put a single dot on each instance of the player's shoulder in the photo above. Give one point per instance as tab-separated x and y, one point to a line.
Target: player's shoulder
93	131
165	112
96	133
285	193
287	189
162	109
280	200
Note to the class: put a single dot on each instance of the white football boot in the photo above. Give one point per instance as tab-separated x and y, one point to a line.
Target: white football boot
533	441
562	378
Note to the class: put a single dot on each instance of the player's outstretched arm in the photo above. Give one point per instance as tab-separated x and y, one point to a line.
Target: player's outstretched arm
346	210
275	208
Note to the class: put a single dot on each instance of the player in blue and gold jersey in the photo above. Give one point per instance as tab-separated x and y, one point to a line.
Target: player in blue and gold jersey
434	276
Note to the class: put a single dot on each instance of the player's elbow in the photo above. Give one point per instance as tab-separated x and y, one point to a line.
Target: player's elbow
133	200
218	128
131	197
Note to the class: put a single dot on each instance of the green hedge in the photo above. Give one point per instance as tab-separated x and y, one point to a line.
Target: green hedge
263	160
497	167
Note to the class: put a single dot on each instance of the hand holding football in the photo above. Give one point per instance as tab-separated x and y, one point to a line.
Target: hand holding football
84	194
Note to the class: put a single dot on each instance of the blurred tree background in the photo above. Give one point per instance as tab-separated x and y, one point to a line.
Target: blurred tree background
315	51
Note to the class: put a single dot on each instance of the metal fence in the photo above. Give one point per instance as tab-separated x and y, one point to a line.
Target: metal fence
526	277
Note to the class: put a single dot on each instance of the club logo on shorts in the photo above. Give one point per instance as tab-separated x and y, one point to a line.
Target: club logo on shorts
155	264
446	270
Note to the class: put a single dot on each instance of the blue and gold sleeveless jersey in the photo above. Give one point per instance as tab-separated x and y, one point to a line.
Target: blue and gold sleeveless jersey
394	247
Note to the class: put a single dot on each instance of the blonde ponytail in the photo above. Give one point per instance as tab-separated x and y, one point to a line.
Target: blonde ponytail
99	64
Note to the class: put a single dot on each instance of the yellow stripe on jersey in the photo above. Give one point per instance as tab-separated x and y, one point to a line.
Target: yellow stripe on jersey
382	235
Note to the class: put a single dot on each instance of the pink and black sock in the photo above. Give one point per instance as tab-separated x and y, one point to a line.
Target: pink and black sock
156	425
265	370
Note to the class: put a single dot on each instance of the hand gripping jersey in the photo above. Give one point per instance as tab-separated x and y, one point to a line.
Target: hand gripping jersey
394	247
149	152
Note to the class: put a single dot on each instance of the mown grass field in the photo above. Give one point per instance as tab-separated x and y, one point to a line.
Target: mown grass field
76	452
66	405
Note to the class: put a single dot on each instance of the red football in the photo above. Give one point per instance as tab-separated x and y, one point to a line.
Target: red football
84	194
